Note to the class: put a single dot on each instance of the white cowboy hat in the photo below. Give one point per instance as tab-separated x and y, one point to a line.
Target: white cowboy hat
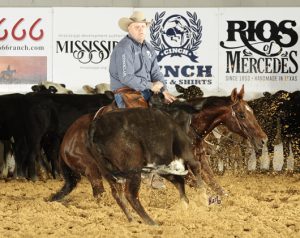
136	16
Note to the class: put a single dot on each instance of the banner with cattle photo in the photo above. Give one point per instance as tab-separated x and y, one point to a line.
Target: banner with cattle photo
83	43
25	48
259	48
185	41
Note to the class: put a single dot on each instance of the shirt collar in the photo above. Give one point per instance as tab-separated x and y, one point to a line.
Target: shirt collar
136	42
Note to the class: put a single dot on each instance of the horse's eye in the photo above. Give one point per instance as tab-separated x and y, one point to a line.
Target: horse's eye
241	115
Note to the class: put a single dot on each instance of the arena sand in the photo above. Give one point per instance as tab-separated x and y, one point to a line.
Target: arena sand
257	206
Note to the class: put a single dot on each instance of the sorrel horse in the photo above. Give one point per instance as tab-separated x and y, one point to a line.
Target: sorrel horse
232	111
75	158
155	148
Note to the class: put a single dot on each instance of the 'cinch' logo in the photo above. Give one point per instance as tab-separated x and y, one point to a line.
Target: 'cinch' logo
176	36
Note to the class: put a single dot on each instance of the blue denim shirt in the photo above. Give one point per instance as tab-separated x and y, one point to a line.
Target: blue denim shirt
134	65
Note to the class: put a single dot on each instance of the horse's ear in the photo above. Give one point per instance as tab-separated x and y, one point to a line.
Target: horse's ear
241	93
234	95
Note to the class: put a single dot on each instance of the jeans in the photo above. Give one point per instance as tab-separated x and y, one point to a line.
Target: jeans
119	100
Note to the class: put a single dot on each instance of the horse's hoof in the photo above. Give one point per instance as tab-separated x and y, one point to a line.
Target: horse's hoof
54	198
196	184
152	223
97	192
222	192
185	204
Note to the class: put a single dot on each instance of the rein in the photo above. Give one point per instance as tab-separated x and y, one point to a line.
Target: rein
197	134
235	142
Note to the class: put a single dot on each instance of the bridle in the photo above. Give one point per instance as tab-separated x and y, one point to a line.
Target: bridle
227	137
200	136
239	117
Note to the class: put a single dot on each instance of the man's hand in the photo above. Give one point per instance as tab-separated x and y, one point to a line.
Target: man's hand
169	97
156	86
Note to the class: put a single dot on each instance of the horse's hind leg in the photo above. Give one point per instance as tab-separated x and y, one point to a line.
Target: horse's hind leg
132	187
71	179
94	176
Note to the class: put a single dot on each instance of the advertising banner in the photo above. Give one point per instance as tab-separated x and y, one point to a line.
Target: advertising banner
259	48
217	49
83	43
25	48
186	42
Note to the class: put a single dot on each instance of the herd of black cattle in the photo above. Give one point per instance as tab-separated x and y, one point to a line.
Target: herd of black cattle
279	116
36	123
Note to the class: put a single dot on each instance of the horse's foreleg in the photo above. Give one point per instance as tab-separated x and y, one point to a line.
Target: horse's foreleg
206	172
208	176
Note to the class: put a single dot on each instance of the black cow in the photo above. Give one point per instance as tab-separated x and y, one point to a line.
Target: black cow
289	114
50	118
124	142
31	119
266	110
12	125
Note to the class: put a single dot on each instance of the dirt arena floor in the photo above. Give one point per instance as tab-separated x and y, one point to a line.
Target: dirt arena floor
257	206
